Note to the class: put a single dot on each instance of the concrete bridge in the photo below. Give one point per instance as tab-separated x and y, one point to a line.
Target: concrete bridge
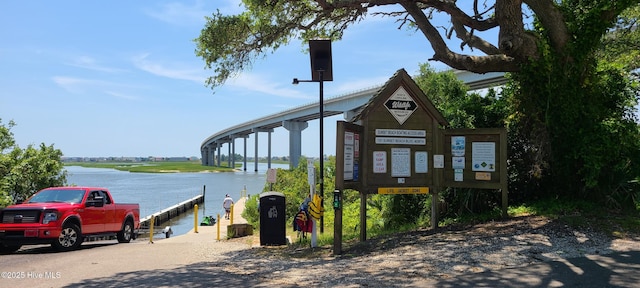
295	120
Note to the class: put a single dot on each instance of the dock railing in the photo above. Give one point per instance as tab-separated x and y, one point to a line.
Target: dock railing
169	213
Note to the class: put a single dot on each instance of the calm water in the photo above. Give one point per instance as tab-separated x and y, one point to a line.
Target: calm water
156	191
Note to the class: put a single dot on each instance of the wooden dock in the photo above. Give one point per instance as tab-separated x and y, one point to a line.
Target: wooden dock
167	214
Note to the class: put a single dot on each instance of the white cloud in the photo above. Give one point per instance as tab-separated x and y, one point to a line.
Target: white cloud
262	84
90	63
360	84
73	85
81	85
188	73
121	95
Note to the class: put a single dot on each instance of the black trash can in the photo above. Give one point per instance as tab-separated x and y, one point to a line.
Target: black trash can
272	219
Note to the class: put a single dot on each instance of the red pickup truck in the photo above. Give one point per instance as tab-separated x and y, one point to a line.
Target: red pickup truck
64	216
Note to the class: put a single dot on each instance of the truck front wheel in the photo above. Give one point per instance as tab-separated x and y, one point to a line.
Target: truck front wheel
70	238
125	235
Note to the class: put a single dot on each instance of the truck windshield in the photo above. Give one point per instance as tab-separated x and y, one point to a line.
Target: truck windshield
58	196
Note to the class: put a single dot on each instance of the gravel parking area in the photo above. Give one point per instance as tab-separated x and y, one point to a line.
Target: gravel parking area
519	252
442	258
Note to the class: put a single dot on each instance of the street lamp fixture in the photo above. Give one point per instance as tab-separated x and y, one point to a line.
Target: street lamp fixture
321	70
296	81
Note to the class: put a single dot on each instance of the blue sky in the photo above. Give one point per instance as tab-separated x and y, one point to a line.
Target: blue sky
120	78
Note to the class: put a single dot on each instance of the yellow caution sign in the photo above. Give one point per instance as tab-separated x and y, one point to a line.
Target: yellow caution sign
403	190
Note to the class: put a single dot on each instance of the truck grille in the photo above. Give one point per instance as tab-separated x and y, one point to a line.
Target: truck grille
20	216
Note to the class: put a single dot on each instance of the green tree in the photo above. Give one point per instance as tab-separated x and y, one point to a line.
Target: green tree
621	45
462	109
25	171
571	111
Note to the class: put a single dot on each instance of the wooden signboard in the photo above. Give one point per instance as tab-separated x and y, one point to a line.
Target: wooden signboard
397	144
475	158
400	134
349	154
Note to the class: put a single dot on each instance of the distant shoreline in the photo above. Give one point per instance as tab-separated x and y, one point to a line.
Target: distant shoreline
161	166
154	167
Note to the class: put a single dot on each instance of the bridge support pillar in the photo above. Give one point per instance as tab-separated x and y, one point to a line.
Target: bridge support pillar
233	150
210	154
230	158
219	147
244	154
269	151
256	130
295	140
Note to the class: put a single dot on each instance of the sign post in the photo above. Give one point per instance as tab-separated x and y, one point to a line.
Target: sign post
311	178
271	177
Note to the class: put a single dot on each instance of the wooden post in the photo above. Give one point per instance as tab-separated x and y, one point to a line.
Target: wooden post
218	223
337	227
504	173
231	215
437	177
434	208
363	216
151	220
195	218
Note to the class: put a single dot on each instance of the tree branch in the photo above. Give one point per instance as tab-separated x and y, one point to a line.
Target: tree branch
472	40
552	20
451	8
478	64
513	40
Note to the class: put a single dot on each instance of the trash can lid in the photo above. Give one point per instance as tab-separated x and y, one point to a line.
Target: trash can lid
271	193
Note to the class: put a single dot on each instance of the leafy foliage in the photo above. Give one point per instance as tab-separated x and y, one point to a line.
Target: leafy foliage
25	171
294	185
621	45
462	109
579	127
250	212
230	43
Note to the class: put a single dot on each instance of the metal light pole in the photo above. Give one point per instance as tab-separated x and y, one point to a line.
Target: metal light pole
321	74
321	70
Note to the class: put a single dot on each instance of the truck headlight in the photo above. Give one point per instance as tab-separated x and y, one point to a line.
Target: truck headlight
49	216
